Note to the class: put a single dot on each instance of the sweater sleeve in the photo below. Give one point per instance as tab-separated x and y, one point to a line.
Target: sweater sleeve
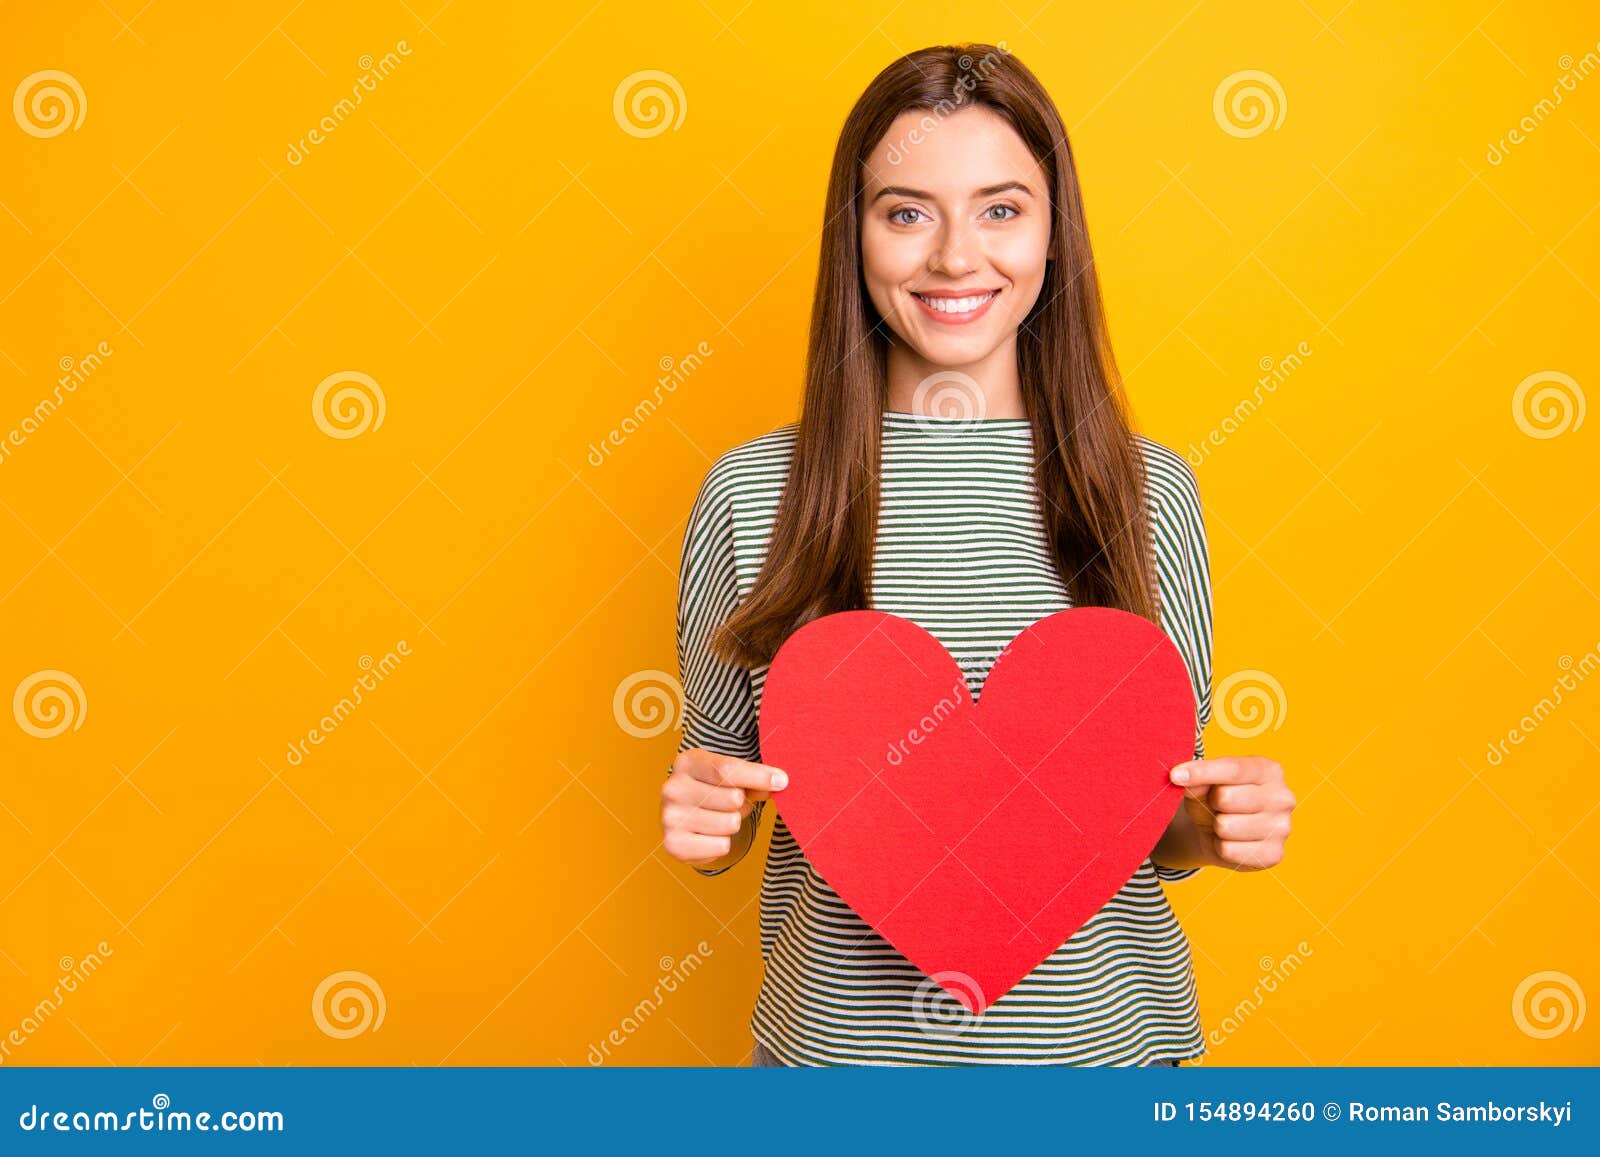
718	704
1184	569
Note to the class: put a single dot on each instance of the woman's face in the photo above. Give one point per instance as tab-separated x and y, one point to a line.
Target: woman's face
955	228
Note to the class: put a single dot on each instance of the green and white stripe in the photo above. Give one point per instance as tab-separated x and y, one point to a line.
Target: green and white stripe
962	553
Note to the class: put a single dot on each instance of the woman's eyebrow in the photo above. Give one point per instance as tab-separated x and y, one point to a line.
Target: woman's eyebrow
920	194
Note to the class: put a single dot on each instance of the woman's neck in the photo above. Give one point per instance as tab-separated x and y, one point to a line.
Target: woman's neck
989	388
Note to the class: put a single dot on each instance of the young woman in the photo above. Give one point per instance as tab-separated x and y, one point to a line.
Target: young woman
963	459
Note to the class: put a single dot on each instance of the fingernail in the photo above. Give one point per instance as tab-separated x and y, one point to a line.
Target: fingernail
779	781
1180	774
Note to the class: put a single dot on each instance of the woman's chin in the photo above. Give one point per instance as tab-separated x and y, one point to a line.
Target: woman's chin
950	353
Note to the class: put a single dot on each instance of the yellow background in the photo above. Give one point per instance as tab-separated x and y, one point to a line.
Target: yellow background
483	239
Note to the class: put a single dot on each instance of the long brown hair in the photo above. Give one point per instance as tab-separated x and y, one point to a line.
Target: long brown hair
1089	473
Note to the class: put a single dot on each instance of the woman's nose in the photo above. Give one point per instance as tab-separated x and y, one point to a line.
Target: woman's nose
956	254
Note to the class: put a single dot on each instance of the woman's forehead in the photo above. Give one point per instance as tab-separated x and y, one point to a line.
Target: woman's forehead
950	156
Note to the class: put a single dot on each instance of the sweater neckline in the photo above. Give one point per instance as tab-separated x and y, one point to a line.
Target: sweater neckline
939	424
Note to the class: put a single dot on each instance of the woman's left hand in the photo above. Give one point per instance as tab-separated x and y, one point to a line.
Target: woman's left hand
1240	806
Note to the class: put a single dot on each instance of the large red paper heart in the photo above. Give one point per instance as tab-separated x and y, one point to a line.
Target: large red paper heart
977	838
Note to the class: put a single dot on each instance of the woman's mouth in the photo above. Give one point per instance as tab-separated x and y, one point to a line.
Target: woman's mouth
956	309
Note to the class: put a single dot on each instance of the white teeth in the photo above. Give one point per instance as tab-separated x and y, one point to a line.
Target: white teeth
954	304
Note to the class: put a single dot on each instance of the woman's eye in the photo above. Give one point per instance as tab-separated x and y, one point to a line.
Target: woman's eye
899	220
1000	208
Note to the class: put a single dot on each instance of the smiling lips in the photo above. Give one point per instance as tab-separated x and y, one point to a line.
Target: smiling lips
956	307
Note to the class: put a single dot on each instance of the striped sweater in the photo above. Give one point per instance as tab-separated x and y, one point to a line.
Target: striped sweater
961	552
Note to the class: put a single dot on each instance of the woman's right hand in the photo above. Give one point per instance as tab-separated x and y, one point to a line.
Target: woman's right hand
706	800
